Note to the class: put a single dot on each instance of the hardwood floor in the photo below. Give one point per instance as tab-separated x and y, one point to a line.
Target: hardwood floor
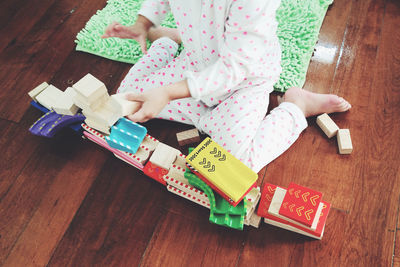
67	202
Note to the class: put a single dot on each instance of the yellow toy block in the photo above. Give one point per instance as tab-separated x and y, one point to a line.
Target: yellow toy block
222	171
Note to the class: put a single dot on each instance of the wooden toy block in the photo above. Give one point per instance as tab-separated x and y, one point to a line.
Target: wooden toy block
180	161
90	88
124	107
188	137
49	96
81	102
222	171
98	126
266	198
155	172
37	90
178	173
150	142
164	155
318	233
300	204
188	189
277	202
187	196
344	141
255	220
252	199
65	105
327	125
102	115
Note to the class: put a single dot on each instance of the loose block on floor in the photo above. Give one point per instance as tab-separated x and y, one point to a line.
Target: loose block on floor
344	141
327	125
188	137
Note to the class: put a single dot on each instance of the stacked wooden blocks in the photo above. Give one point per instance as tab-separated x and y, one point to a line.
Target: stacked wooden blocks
330	128
53	98
298	209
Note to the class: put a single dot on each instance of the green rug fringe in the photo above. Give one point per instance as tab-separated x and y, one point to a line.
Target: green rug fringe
299	25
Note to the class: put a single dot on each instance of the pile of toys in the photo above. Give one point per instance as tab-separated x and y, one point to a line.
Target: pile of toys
209	175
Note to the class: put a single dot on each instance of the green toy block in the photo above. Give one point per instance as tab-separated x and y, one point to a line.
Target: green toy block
221	212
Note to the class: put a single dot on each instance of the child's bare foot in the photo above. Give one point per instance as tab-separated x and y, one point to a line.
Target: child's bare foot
313	103
160	31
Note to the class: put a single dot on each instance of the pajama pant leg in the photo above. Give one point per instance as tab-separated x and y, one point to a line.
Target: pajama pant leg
238	123
158	68
276	133
161	52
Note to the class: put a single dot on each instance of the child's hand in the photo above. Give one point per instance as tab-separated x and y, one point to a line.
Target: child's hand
152	102
137	31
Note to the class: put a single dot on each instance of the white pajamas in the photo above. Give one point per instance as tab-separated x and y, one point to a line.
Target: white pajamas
231	61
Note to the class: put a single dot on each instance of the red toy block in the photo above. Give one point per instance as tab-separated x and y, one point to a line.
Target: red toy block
266	197
300	204
155	172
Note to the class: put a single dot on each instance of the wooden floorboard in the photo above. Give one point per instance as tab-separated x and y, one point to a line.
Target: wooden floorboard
68	202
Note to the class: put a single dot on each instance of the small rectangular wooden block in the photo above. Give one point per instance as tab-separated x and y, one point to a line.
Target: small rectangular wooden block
49	96
81	102
90	88
164	155
327	125
188	137
37	90
255	220
102	115
65	105
344	141
97	126
122	106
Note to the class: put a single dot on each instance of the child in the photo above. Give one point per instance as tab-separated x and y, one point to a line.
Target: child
221	81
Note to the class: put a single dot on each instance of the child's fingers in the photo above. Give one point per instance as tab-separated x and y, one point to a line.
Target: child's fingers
140	116
142	41
134	97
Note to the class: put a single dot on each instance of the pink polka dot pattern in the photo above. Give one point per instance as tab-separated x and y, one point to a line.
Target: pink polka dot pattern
231	60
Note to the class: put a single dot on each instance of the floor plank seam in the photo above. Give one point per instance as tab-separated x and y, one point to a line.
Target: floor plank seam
150	239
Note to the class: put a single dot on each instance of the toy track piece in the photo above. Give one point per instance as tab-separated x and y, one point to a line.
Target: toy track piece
50	123
75	126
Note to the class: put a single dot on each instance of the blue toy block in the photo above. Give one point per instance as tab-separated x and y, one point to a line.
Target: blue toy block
126	136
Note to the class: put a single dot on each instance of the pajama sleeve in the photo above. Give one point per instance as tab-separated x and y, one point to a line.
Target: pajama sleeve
155	10
250	26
